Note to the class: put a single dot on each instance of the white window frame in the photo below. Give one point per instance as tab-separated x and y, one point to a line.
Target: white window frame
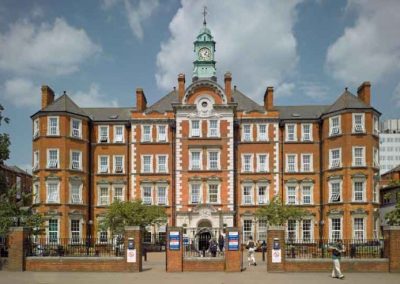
72	196
73	165
265	199
36	160
331	227
57	133
311	186
191	192
100	169
311	229
105	198
48	230
354	156
57	197
295	163
194	133
261	169
218	192
217	129
296	193
75	239
162	138
147	137
36	128
159	185
375	125
262	136
375	192
295	231
311	163
50	163
36	193
76	133
364	229
150	165
287	136
101	137
262	230
251	168
340	181
364	189
250	137
333	131
209	168
375	155
360	128
248	233
118	138
142	187
251	194
191	159
114	197
303	133
334	164
158	163
122	171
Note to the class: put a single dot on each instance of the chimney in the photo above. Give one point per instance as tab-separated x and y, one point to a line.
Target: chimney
47	96
141	102
181	86
269	98
364	92
228	86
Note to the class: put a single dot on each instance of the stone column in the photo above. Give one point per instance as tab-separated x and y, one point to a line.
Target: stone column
275	233
174	257
134	232
17	247
392	247
233	258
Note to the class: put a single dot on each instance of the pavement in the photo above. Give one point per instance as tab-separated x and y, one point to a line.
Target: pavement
154	272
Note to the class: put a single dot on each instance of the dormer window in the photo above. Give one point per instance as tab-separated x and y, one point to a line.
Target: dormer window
358	123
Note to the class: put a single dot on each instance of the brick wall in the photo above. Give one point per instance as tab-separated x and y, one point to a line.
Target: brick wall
392	245
205	265
346	265
174	257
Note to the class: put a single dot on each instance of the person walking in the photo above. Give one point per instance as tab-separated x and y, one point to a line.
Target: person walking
251	246
213	247
337	251
221	243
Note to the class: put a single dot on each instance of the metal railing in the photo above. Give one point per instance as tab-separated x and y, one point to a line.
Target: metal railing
75	247
203	243
307	249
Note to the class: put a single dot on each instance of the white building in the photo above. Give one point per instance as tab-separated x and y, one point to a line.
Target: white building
389	140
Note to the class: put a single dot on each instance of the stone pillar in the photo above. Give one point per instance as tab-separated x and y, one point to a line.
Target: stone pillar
174	257
17	248
392	247
233	258
275	232
134	232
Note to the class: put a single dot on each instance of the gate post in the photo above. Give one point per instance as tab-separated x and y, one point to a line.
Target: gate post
233	250
135	262
392	247
174	249
276	249
17	248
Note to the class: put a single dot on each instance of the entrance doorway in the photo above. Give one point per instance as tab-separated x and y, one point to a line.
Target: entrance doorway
204	240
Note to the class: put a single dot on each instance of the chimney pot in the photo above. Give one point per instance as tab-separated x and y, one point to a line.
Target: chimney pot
364	92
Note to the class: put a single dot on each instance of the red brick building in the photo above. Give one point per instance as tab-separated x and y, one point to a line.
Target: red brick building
12	177
210	155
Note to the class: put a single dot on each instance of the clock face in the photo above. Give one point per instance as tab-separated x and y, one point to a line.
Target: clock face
204	54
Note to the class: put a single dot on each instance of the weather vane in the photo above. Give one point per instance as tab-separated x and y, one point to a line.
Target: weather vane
204	15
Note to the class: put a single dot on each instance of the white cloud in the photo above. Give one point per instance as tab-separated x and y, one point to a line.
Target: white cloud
93	98
396	95
22	92
370	49
313	89
255	41
285	89
56	48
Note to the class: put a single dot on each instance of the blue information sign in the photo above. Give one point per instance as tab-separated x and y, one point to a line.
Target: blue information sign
233	240
174	240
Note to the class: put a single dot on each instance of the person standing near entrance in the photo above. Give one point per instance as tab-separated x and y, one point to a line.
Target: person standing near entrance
221	242
251	247
337	251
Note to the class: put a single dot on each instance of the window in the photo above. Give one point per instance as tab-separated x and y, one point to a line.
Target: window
336	228
161	163
213	160
195	132
53	195
36	193
52	159
103	164
376	228
213	130
103	134
146	237
358	156
306	132
262	134
118	164
213	193
53	128
76	128
195	193
161	194
336	191
376	157
291	195
162	133
76	160
75	231
262	194
291	163
53	231
247	194
247	162
146	133
262	162
375	192
306	194
334	126
147	163
306	229
335	158
291	132
36	128
262	230
76	193
358	123
118	193
292	230
306	163
376	125
358	191
195	160
103	196
35	161
147	194
103	236
358	230
118	134
247	134
247	229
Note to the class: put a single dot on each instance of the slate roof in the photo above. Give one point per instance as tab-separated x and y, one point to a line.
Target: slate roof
245	103
165	103
347	100
109	113
301	112
64	103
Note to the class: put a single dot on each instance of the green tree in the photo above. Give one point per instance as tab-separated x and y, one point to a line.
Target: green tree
393	217
131	213
277	214
4	138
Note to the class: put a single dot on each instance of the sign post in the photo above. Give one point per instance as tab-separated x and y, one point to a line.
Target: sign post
131	251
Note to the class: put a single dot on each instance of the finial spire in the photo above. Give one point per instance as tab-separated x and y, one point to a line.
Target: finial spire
204	15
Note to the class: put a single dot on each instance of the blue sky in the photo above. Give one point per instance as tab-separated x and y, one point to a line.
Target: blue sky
101	51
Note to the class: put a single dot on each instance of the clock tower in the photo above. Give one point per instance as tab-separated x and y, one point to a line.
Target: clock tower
204	48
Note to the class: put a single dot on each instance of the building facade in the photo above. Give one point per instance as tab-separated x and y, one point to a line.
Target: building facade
12	177
211	156
389	192
389	140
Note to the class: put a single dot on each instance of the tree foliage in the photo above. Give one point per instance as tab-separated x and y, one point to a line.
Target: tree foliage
277	214
393	217
131	213
4	138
